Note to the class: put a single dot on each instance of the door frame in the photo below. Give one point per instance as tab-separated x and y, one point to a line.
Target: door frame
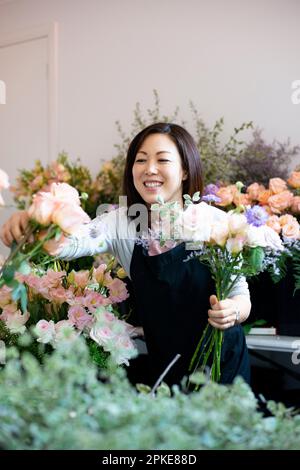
50	32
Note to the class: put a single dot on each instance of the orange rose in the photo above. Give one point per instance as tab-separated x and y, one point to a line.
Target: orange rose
263	196
277	185
280	202
294	179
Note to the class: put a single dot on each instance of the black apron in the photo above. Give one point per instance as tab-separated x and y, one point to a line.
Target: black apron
171	299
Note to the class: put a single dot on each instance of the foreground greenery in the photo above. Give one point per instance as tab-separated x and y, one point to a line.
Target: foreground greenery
64	404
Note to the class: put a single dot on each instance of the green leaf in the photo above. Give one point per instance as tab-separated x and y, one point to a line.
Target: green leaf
196	196
24	268
256	258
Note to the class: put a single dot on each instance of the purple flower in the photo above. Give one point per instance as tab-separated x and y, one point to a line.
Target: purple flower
211	198
210	189
256	216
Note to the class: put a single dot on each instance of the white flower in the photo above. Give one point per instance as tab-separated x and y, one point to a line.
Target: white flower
272	238
195	223
255	236
45	331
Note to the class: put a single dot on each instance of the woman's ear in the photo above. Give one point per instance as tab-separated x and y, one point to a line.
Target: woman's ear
185	176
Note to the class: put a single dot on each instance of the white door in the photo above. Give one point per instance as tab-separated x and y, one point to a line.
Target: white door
24	117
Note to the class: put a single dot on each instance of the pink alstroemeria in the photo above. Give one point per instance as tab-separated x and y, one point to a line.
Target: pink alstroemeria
15	322
79	317
117	291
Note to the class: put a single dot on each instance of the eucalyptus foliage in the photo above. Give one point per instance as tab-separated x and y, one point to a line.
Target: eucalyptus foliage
67	403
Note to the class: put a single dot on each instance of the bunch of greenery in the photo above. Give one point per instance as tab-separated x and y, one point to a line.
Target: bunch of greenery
66	404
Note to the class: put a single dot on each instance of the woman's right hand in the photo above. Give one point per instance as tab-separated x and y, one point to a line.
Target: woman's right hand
14	228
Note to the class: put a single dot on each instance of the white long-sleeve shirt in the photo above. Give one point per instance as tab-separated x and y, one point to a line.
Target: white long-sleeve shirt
114	232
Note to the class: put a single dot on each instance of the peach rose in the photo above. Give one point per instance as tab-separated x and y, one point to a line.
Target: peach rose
42	207
254	190
287	219
69	217
240	199
280	202
291	230
63	192
294	179
295	207
226	195
277	185
54	247
274	223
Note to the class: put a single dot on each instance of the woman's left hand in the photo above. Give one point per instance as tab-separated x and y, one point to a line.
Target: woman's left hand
223	314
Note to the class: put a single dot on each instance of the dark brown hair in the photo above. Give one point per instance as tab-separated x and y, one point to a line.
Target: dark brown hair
190	158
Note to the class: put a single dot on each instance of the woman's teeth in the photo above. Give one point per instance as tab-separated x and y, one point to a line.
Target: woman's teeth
152	184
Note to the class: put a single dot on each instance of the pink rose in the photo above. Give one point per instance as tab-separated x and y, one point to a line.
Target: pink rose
277	185
294	179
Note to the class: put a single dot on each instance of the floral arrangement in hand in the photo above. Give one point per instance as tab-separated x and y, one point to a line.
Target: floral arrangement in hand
54	304
231	244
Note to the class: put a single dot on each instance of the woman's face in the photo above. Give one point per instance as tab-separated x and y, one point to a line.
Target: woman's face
157	170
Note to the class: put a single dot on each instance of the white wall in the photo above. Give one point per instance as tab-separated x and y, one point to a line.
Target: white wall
233	58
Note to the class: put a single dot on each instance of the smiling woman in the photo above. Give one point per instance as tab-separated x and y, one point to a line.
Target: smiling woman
157	170
171	299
